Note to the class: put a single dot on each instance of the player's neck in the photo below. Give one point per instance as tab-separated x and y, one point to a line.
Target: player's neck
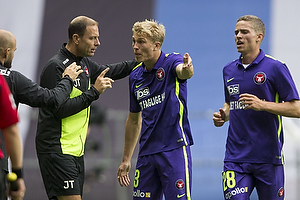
248	58
149	64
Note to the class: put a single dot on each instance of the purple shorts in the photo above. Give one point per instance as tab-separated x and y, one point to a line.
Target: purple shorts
168	173
239	180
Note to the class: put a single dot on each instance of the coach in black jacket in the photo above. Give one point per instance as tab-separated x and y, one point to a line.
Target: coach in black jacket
61	133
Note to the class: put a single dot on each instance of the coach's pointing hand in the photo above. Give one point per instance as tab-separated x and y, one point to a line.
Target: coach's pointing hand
102	83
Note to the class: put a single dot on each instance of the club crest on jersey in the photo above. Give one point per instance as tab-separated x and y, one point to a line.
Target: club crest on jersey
259	78
280	192
179	184
160	74
86	70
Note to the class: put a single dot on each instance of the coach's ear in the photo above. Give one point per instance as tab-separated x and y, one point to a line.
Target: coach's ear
76	39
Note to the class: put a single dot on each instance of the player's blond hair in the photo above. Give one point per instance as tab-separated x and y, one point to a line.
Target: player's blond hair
257	23
150	28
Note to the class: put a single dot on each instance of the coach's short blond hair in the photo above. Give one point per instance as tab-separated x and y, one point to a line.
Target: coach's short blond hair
151	29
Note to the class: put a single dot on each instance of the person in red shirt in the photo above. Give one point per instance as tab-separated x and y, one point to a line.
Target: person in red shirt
8	125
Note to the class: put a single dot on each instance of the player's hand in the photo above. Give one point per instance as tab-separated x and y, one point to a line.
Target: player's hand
19	194
219	118
250	101
185	70
187	61
102	83
122	174
73	71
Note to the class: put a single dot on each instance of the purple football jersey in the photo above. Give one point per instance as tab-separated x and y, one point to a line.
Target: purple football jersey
162	98
256	136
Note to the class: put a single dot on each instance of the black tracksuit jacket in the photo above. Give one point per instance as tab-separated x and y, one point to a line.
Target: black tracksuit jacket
68	123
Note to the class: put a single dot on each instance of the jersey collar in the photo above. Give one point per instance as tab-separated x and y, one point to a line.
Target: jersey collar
257	60
159	62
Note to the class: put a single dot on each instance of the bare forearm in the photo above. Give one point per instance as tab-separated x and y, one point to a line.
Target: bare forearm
14	146
132	132
286	109
131	137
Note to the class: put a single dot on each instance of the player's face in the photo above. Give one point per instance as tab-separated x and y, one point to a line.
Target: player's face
11	55
246	38
89	42
143	48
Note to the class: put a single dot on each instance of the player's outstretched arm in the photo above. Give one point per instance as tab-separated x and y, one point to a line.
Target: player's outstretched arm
186	69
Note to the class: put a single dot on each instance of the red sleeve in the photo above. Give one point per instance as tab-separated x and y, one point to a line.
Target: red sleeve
8	111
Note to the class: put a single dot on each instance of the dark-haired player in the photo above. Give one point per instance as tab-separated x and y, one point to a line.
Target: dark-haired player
258	90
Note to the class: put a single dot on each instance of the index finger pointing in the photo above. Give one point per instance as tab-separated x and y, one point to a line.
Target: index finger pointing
185	58
104	72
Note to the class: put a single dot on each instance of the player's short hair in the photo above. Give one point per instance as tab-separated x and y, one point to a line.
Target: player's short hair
150	28
258	24
78	26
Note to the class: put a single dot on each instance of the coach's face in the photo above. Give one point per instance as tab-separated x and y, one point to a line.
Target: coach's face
88	43
246	39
